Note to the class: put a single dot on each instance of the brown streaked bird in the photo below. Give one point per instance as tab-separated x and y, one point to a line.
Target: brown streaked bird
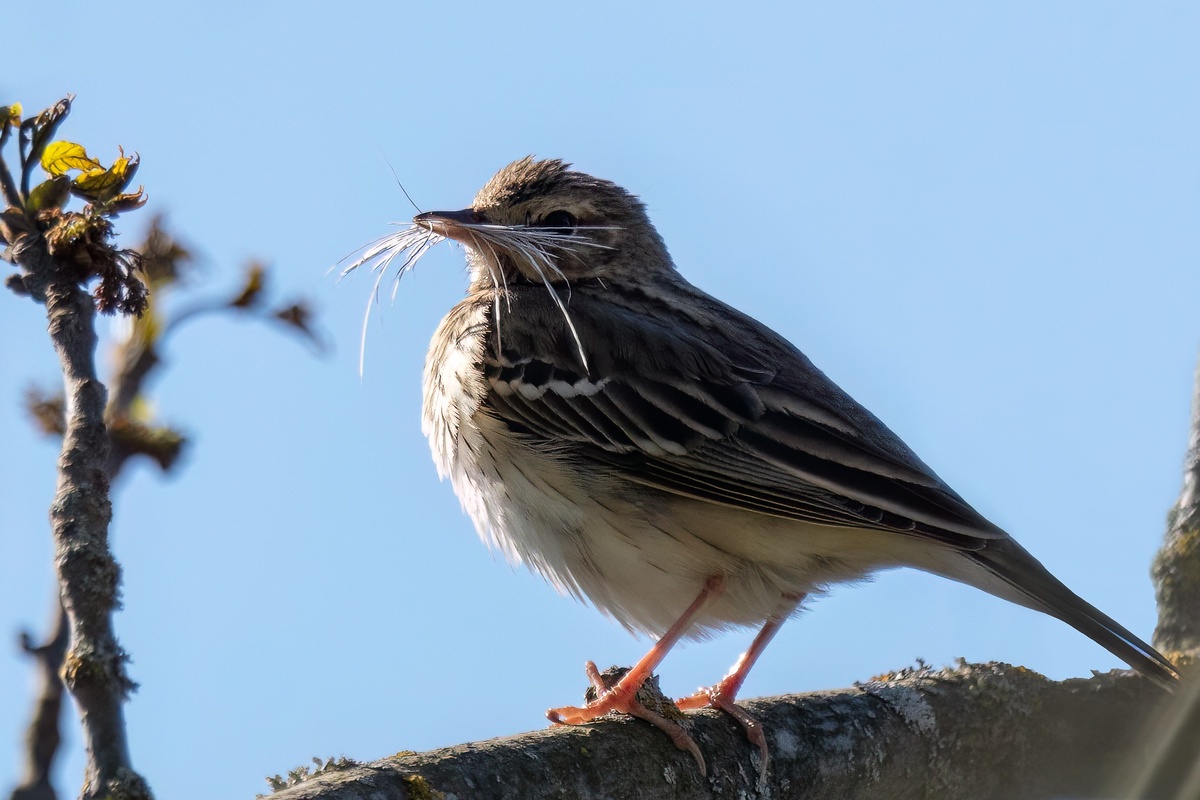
686	469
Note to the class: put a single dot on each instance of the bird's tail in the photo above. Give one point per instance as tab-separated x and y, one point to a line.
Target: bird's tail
1010	562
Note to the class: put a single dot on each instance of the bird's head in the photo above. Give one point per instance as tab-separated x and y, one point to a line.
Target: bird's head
542	222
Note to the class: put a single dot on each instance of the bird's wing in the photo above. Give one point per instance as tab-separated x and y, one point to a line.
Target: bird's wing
727	413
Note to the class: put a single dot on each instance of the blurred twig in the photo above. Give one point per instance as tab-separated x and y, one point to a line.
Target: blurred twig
138	281
43	737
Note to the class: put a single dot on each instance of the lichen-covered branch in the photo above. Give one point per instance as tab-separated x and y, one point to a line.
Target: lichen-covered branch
137	357
1176	569
977	731
94	669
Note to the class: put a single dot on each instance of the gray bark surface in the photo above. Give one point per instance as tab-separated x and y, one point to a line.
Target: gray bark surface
977	731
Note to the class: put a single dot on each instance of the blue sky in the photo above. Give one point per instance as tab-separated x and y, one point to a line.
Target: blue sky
980	219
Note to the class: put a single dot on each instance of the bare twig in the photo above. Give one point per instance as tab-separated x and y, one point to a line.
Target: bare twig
42	738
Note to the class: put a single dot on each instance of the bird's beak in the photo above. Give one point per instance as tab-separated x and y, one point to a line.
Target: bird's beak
451	224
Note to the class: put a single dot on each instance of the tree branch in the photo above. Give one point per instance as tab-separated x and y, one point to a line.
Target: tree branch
88	575
42	738
1176	568
977	731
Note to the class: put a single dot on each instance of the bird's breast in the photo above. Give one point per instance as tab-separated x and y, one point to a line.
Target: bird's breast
454	386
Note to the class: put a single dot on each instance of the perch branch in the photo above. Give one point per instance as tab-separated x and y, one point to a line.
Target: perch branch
977	731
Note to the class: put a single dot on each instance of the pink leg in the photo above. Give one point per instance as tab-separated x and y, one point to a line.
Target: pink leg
623	696
610	699
724	694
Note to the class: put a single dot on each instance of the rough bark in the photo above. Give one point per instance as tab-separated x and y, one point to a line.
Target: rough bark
1176	569
88	576
1172	771
977	731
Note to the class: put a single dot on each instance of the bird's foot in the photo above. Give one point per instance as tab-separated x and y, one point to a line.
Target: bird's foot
619	690
722	696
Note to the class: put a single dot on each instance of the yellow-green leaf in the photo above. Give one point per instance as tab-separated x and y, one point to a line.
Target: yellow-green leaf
48	194
101	185
10	117
252	290
59	157
129	168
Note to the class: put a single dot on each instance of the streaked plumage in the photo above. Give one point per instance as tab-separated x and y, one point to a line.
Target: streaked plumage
630	437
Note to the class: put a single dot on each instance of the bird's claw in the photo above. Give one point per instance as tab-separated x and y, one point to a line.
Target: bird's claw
717	697
610	693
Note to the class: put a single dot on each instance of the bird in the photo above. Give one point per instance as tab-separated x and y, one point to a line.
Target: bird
655	451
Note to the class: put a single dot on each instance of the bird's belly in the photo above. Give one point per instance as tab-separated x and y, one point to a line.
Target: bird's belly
642	555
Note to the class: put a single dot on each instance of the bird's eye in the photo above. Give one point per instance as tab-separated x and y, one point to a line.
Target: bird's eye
562	222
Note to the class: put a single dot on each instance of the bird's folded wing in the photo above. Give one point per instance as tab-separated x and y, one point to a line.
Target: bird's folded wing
736	417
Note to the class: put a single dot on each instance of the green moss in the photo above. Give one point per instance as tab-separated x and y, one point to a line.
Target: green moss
1176	573
128	785
419	788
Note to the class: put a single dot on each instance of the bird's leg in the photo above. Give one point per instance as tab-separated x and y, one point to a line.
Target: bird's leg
623	695
723	694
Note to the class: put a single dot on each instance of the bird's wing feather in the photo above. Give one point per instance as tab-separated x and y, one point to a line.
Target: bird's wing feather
731	415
